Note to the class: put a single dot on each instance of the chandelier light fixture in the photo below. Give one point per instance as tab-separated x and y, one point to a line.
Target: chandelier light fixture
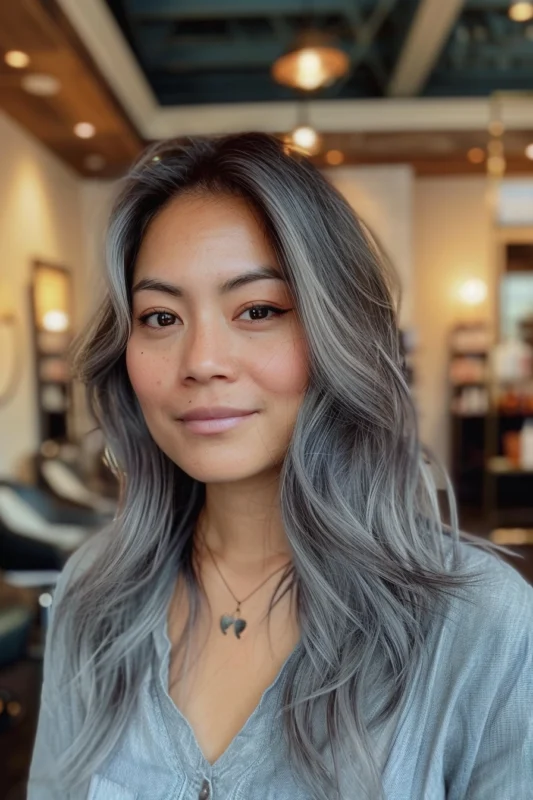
312	62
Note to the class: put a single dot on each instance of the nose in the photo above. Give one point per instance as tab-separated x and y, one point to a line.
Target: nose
207	350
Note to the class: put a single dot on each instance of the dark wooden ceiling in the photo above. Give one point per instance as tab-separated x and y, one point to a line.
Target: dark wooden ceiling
41	29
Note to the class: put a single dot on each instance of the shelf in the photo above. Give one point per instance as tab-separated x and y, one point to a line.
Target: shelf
500	465
512	536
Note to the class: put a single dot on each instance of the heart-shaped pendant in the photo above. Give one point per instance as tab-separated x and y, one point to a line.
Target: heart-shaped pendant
226	620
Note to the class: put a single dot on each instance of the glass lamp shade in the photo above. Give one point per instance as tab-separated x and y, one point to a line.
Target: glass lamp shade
312	62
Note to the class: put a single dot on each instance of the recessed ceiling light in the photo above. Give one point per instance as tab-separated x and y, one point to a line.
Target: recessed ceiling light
476	155
334	157
17	59
94	162
306	138
529	151
521	12
40	84
85	130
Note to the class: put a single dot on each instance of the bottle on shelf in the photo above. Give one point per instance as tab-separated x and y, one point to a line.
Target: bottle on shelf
526	444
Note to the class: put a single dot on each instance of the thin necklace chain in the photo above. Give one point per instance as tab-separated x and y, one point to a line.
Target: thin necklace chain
228	588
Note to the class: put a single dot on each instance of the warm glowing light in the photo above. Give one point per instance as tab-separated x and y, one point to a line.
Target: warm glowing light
521	12
40	84
476	155
17	59
529	151
496	165
334	157
56	321
473	292
85	130
306	138
313	62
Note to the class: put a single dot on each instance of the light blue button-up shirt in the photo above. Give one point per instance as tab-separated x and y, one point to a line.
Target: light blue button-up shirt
463	732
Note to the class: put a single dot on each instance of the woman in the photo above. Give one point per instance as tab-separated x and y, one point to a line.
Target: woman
277	610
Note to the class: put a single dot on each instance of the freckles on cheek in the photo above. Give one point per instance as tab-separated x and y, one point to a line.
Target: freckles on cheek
146	374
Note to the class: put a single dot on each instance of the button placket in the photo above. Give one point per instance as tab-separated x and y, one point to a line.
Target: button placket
205	791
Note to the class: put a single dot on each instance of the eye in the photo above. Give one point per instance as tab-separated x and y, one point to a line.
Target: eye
277	312
164	319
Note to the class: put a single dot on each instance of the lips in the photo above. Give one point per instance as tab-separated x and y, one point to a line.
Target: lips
215	412
215	425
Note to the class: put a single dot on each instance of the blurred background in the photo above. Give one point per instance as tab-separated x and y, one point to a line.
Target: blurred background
419	111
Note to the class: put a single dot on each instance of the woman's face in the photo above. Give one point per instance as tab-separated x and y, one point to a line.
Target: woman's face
194	345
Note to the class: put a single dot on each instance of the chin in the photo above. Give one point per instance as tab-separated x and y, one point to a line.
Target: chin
227	469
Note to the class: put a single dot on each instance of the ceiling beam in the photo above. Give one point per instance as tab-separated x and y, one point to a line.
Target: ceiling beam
215	9
240	54
427	36
365	31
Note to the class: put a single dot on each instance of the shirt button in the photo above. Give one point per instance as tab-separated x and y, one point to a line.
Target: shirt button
204	791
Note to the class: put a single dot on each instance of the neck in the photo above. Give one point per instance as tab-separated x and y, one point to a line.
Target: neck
242	526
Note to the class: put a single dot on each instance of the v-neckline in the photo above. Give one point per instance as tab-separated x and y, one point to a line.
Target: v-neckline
179	724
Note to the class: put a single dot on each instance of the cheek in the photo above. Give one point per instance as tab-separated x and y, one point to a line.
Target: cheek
284	371
145	373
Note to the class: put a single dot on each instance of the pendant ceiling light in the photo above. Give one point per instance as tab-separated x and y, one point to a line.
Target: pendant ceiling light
521	12
313	62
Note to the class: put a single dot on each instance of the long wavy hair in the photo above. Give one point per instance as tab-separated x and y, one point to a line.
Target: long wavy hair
373	560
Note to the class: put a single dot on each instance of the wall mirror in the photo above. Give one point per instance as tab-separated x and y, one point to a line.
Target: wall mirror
51	304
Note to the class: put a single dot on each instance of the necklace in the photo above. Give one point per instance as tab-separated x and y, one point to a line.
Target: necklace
226	620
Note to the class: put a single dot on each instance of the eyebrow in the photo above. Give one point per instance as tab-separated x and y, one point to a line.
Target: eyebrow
260	274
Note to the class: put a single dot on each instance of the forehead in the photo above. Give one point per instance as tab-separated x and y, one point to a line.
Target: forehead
203	226
200	239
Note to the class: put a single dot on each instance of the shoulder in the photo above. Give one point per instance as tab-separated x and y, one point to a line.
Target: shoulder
500	600
483	682
487	630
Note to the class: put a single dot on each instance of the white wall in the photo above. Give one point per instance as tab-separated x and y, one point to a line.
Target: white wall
438	232
453	241
96	200
40	217
383	198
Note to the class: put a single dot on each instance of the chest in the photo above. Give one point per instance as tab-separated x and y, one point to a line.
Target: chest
219	682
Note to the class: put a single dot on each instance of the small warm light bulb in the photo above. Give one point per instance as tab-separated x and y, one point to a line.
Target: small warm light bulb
85	130
476	155
310	71
56	321
305	137
473	292
334	157
529	151
521	12
17	59
496	165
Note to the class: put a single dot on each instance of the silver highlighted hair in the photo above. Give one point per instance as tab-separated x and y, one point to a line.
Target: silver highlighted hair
373	561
